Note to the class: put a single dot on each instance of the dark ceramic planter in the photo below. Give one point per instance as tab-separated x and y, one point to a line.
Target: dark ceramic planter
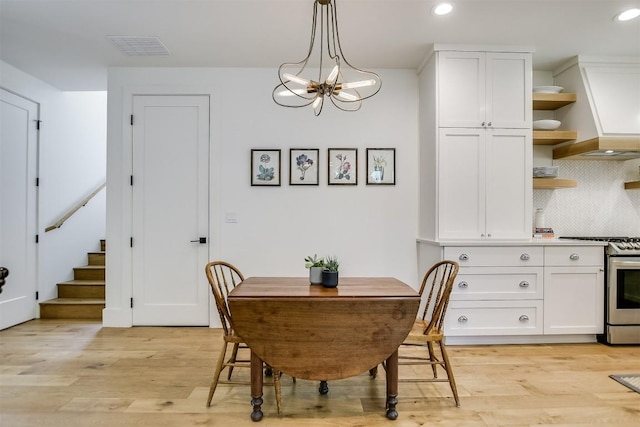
329	279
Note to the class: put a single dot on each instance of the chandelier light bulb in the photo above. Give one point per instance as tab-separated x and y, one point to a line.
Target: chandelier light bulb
347	96
361	83
333	76
296	79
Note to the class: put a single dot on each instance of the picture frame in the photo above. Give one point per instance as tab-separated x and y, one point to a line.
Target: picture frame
265	167
381	166
342	166
304	166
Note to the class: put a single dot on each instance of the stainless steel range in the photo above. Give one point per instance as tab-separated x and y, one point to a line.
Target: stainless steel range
622	291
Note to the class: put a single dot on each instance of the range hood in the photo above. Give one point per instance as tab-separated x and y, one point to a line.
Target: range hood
601	148
606	114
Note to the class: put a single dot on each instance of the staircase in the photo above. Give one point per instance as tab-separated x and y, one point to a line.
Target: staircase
82	297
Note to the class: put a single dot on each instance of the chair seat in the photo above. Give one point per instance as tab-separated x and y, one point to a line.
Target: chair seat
418	337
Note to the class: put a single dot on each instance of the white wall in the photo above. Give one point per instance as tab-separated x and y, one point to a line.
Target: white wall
372	229
72	144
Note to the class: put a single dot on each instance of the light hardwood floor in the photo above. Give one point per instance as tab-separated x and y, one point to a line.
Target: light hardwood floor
76	373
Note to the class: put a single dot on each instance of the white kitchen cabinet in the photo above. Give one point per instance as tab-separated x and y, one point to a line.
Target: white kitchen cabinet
498	291
484	184
484	89
574	290
476	155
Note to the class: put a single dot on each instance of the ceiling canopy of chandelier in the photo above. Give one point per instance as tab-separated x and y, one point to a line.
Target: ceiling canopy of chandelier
336	79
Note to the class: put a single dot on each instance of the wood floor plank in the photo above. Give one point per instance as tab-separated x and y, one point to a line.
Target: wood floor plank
63	373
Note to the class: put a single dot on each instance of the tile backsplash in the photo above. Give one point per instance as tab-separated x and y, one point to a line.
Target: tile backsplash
599	205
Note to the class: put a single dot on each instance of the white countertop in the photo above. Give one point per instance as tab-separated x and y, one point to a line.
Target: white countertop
532	242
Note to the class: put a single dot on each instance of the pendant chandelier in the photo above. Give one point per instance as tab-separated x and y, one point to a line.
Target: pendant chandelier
336	79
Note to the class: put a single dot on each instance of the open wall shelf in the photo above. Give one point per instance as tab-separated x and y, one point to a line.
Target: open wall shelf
553	183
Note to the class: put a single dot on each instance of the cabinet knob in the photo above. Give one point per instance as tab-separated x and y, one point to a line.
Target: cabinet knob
463	285
483	124
462	319
489	124
574	257
525	257
524	318
524	284
463	257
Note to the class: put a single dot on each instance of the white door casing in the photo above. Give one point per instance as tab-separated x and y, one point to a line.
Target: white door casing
18	207
170	210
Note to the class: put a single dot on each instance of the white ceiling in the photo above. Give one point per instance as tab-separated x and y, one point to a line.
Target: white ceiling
62	42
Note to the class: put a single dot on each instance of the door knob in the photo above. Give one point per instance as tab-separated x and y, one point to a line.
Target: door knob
4	272
200	240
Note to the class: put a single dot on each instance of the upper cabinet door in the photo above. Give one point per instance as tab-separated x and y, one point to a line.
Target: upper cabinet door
461	89
484	90
508	90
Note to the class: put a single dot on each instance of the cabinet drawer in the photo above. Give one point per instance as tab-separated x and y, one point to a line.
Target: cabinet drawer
498	283
494	318
500	256
573	255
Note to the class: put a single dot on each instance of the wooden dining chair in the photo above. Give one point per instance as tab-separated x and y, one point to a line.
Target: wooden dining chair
223	278
428	328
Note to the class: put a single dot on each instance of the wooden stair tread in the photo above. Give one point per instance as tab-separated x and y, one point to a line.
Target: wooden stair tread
91	267
74	301
83	282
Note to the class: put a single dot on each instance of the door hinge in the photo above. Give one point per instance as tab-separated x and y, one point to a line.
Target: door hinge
37	238
131	180
37	295
37	182
131	302
38	124
132	120
131	241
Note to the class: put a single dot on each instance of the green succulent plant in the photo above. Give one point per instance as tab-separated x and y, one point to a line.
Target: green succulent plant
313	261
331	263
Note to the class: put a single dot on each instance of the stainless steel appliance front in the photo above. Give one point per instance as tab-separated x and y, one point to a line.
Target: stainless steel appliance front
623	302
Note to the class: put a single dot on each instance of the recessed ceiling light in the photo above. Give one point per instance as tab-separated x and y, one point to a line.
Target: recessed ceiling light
627	15
442	8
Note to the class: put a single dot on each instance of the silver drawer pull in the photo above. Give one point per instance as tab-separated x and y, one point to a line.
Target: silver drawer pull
462	319
574	257
525	257
463	257
524	284
524	318
463	285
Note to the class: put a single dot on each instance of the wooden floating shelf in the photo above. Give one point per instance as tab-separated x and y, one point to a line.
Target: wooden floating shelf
553	183
552	137
633	185
552	101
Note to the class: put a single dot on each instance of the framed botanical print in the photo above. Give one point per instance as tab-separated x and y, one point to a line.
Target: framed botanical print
303	166
265	167
381	166
342	164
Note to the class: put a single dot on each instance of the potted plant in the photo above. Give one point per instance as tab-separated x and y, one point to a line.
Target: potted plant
330	272
315	266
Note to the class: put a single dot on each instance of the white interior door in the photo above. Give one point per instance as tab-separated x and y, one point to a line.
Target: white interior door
18	164
170	210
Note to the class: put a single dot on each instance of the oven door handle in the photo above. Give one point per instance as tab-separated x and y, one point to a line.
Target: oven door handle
625	264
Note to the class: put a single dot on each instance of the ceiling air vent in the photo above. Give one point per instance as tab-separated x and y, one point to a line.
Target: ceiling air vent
140	46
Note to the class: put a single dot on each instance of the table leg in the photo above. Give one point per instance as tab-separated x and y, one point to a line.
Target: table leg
392	385
256	387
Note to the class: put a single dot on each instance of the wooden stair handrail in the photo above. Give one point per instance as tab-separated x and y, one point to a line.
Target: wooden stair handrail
66	216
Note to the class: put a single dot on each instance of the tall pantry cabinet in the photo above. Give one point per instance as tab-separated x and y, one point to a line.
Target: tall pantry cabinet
475	145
